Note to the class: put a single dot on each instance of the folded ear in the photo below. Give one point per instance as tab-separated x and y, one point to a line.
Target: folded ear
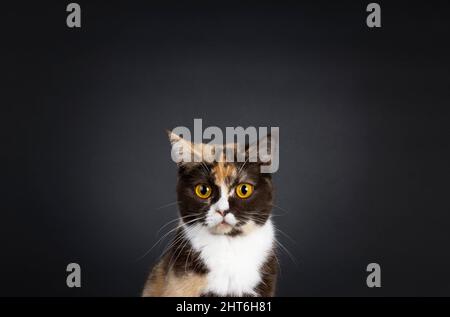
174	138
186	152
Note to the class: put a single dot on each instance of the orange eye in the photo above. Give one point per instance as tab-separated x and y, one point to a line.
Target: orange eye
244	190
203	191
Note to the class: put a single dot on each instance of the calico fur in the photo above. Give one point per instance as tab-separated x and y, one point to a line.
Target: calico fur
225	245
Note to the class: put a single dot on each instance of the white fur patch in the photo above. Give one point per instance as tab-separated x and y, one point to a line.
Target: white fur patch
213	218
233	262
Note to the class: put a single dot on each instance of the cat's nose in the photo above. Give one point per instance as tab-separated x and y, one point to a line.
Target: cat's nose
223	213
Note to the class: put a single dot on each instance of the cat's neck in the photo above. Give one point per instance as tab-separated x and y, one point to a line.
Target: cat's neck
234	263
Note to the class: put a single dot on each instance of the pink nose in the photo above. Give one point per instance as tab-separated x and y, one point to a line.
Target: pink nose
223	213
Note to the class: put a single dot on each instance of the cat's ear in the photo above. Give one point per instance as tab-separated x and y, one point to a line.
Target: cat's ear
183	150
265	152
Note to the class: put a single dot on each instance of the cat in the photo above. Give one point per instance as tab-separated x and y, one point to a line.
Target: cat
225	243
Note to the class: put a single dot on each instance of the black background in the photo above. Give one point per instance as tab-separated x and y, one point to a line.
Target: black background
363	116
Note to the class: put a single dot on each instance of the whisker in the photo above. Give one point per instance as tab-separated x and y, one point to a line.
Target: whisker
178	218
167	205
165	235
205	168
255	212
173	242
182	235
278	264
282	209
242	166
293	259
286	235
183	245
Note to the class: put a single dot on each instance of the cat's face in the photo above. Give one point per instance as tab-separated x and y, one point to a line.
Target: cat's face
229	198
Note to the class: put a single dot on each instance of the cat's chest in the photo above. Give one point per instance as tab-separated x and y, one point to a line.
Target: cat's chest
233	269
234	263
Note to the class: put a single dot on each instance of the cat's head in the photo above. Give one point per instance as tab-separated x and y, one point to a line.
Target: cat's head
230	198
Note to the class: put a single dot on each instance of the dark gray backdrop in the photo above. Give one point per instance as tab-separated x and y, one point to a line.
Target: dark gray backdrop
363	117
